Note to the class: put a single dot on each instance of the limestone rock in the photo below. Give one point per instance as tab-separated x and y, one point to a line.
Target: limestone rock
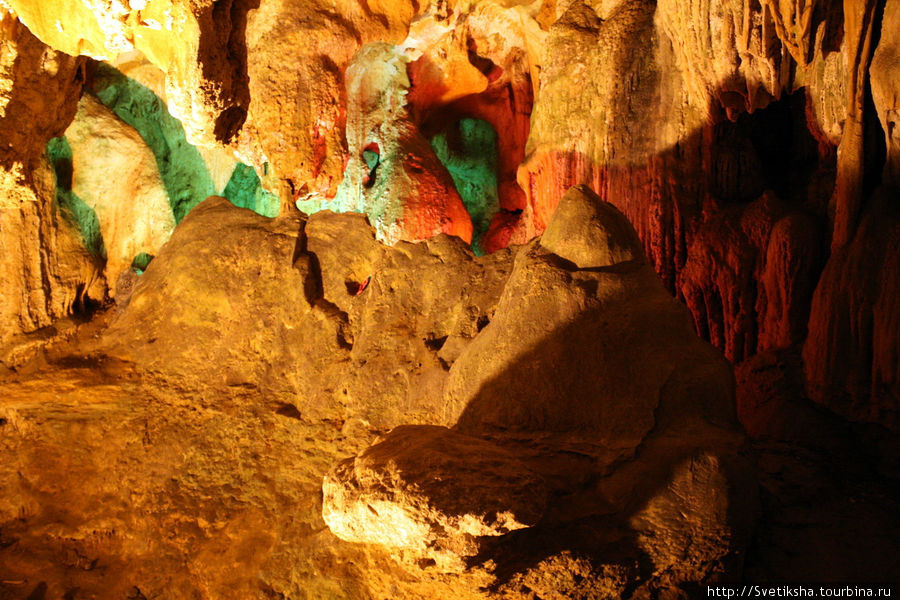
547	319
591	233
794	255
401	306
39	90
851	354
431	490
46	271
885	75
184	297
300	128
367	320
748	282
190	174
740	64
115	174
211	438
704	510
172	35
392	174
181	451
49	271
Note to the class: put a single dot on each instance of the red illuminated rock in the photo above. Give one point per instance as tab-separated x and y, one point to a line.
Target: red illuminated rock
392	173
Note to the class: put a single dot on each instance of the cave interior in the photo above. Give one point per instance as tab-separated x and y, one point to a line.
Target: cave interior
468	299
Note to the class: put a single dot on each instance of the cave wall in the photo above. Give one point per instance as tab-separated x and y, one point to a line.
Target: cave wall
46	271
753	145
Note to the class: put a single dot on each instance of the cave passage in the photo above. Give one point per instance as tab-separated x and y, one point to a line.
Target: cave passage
141	262
372	157
468	149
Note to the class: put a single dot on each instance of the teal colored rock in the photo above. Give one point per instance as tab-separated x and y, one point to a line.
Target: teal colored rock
468	148
244	189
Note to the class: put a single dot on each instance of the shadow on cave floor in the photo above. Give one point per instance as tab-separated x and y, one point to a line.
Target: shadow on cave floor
828	490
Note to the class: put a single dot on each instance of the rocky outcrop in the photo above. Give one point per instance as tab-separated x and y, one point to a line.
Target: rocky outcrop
591	233
47	281
573	320
470	471
851	354
752	145
337	301
633	394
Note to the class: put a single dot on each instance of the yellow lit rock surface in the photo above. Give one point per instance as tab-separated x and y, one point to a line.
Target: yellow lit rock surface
297	54
199	435
591	233
428	489
132	206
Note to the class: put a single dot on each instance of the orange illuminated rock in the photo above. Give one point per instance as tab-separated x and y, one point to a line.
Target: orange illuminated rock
46	272
440	70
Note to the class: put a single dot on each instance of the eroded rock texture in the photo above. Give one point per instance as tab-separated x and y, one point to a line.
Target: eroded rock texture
431	490
200	401
685	114
356	339
46	270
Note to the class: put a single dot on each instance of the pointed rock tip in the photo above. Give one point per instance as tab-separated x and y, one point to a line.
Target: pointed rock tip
590	232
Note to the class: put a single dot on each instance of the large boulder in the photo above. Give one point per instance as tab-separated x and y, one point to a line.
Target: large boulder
591	351
431	490
596	382
343	327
